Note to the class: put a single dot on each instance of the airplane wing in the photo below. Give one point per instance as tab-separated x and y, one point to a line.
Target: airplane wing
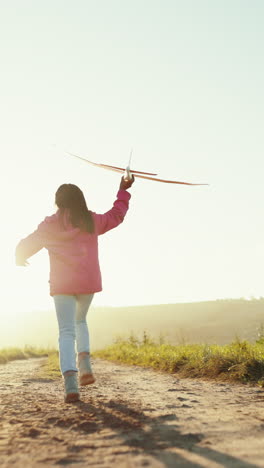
140	174
111	168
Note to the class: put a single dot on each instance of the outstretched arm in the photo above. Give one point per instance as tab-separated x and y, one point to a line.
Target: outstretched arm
28	247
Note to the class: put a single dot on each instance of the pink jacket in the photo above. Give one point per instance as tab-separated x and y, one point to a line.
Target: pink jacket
74	264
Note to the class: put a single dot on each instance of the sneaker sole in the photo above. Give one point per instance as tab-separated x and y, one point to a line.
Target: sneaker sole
87	379
72	397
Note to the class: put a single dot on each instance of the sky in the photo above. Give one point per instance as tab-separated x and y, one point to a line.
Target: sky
179	82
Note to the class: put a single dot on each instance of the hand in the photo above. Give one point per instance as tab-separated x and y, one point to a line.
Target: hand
20	262
125	184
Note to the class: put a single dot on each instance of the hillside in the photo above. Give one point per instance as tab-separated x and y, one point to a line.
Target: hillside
211	322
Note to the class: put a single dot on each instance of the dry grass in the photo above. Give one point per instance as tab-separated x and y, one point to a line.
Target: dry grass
12	354
240	361
50	368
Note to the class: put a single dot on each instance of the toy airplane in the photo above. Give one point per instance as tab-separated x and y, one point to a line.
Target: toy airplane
129	172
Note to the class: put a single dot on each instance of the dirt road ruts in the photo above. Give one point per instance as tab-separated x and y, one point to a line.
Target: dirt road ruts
131	417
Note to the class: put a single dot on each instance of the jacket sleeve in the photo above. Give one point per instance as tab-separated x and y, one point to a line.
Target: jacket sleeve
115	216
29	246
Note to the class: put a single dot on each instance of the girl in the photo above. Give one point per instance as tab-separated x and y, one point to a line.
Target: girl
71	238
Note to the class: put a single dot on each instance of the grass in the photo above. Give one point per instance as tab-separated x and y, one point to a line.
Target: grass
50	368
12	354
240	361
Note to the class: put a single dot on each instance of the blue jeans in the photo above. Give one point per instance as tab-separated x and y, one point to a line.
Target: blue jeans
71	315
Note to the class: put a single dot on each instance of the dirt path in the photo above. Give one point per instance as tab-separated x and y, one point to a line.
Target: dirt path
131	417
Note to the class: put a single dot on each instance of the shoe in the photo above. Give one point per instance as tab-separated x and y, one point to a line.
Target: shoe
71	388
85	370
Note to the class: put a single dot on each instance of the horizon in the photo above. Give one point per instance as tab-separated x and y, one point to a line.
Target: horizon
125	306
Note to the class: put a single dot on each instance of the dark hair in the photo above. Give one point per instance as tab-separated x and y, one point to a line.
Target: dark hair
71	199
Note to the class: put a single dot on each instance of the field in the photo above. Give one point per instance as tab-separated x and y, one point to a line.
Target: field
237	362
193	339
211	322
132	414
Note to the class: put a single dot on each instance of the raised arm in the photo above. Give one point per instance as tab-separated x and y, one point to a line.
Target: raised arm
115	216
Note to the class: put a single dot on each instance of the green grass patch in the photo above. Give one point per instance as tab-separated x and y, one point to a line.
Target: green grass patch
240	361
